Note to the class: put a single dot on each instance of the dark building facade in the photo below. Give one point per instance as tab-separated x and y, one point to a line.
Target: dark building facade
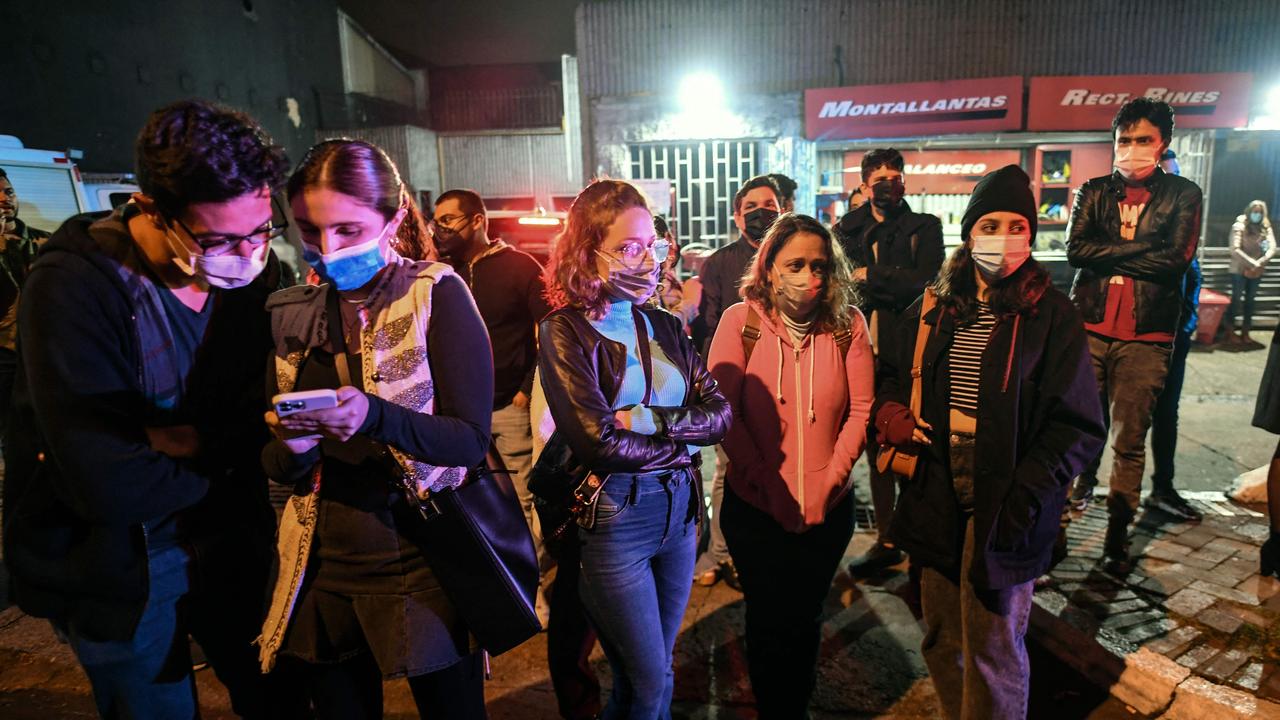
84	75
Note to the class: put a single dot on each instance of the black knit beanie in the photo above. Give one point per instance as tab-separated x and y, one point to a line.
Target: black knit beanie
1005	190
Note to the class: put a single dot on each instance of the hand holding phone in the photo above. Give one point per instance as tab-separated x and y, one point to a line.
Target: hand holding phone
339	421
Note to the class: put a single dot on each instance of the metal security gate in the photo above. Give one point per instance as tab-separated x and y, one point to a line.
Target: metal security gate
706	175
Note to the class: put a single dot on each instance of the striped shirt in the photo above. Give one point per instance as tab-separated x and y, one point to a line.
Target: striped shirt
966	360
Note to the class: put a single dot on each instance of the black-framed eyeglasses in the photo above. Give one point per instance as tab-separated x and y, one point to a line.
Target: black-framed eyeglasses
214	245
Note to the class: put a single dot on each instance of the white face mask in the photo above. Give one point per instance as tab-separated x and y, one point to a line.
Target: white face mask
999	256
1136	162
227	272
797	296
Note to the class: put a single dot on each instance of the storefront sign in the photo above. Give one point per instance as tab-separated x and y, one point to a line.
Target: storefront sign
914	109
1089	103
939	172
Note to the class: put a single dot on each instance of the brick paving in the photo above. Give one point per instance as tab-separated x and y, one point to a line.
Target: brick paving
1192	631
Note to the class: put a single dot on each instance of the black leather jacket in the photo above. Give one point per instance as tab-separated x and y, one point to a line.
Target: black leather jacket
581	373
1156	259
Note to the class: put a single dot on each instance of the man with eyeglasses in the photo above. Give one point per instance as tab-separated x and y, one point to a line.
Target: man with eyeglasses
507	286
136	509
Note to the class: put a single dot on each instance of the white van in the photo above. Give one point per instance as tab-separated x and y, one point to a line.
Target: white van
108	191
49	186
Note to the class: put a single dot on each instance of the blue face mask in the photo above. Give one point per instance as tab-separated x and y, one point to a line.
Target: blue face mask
1255	217
350	268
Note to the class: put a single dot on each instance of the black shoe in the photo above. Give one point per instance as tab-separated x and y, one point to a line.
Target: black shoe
879	558
1081	495
1171	503
1115	546
729	574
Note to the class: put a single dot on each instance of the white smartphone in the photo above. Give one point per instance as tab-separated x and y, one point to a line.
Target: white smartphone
295	402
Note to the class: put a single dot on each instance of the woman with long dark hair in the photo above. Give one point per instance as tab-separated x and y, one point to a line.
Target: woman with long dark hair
794	360
630	396
1009	415
406	350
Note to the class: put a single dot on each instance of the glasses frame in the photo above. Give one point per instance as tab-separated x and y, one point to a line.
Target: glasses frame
651	251
257	238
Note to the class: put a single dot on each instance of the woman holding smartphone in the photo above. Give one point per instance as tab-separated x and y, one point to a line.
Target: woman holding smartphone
406	351
630	396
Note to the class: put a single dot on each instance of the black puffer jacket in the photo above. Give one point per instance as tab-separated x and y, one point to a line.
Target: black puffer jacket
581	372
1156	258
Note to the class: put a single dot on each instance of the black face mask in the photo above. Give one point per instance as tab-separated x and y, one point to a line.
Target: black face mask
449	242
886	194
756	223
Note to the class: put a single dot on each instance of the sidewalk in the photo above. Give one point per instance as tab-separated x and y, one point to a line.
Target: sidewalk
1192	632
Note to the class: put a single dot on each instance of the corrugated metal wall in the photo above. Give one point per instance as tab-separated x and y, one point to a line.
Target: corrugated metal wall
411	148
645	46
508	164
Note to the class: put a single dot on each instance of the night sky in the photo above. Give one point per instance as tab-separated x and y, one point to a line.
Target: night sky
473	32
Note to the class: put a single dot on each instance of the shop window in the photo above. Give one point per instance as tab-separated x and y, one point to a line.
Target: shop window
706	175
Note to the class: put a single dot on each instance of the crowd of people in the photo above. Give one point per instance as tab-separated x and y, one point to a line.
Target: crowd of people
145	351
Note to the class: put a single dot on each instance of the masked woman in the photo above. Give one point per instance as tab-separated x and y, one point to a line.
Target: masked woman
795	362
1253	244
1009	415
406	350
629	395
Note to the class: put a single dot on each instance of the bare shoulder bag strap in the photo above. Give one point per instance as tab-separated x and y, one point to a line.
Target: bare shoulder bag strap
922	337
750	333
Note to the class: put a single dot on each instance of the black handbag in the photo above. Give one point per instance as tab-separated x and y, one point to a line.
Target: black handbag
565	492
475	538
478	545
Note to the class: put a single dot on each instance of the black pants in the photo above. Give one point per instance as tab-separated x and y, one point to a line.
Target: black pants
1164	421
352	689
785	578
570	638
8	369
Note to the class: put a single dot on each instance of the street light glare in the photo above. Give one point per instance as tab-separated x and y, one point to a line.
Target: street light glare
701	91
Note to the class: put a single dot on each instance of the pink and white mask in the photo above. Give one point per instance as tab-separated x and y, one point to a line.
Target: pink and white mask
999	256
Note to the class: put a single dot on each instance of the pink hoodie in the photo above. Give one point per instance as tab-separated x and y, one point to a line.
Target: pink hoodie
791	449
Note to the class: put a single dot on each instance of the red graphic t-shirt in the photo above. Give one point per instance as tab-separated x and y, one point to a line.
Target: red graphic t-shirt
1119	322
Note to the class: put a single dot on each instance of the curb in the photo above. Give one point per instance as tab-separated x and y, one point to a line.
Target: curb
1149	682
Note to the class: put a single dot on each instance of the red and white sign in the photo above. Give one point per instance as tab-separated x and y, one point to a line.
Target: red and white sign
938	172
913	109
1089	103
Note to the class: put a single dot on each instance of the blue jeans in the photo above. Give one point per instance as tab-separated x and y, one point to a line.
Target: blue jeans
717	550
148	676
975	642
637	569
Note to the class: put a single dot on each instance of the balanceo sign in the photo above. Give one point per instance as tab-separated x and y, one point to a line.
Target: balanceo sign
939	172
1089	103
929	108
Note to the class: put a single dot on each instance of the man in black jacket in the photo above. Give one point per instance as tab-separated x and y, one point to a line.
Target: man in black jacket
755	206
1132	236
894	252
18	245
507	286
135	507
